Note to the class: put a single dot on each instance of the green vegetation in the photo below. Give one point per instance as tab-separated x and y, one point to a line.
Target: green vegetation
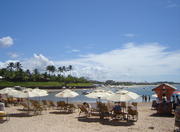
41	84
14	75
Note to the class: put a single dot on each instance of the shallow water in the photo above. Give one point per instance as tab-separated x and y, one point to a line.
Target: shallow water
141	90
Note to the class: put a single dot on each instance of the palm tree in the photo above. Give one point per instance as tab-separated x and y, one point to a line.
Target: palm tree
18	66
36	71
28	72
51	68
10	66
70	68
64	69
60	69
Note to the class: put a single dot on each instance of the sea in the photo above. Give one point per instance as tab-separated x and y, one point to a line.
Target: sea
139	89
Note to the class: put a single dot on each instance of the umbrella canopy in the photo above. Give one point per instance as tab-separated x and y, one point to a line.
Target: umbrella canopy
154	95
27	93
23	94
176	92
99	93
129	93
17	94
40	92
7	90
67	94
123	96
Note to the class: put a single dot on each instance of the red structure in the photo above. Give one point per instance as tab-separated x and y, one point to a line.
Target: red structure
164	93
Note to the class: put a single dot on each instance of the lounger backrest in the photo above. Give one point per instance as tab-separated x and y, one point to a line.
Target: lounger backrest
123	104
82	108
103	108
2	107
131	111
61	103
134	104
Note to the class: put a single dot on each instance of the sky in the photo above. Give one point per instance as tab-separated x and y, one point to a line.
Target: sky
122	40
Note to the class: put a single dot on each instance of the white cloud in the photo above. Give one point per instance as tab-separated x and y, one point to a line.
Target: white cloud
13	55
75	50
5	64
37	61
172	5
133	62
129	35
6	41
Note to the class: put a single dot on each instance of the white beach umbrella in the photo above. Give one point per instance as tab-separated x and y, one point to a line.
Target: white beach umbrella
17	94
6	90
129	93
123	96
23	94
67	94
40	92
99	93
154	95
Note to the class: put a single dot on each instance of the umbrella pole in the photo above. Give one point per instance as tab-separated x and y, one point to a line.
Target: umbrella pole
67	100
28	105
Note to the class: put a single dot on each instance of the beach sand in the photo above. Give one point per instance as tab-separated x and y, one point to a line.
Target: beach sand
53	121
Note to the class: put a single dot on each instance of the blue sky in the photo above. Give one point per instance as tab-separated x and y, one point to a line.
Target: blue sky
75	31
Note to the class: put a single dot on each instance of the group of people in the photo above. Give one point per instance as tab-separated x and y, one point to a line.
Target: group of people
146	98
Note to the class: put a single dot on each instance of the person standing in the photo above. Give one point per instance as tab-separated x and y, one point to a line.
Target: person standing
145	98
142	98
149	98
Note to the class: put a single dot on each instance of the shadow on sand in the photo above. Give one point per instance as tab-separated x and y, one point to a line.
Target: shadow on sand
106	121
162	115
3	121
20	115
60	112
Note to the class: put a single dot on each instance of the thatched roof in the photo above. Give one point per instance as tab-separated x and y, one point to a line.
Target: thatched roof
166	84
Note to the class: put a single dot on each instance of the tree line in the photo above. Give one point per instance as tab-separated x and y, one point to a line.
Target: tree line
15	72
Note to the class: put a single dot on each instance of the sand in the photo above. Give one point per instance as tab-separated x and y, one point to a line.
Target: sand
53	121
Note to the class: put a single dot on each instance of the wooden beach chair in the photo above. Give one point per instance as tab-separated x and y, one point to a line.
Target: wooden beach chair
3	113
132	113
25	106
134	104
45	104
71	108
51	104
37	107
118	114
61	105
123	106
104	111
84	110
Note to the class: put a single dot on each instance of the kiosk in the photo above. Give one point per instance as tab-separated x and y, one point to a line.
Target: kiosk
164	93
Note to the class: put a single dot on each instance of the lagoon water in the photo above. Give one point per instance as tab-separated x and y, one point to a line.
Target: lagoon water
141	90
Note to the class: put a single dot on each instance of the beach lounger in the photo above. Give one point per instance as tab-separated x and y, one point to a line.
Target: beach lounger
134	104
25	106
71	108
132	113
104	111
61	105
37	107
51	104
84	110
3	113
123	106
